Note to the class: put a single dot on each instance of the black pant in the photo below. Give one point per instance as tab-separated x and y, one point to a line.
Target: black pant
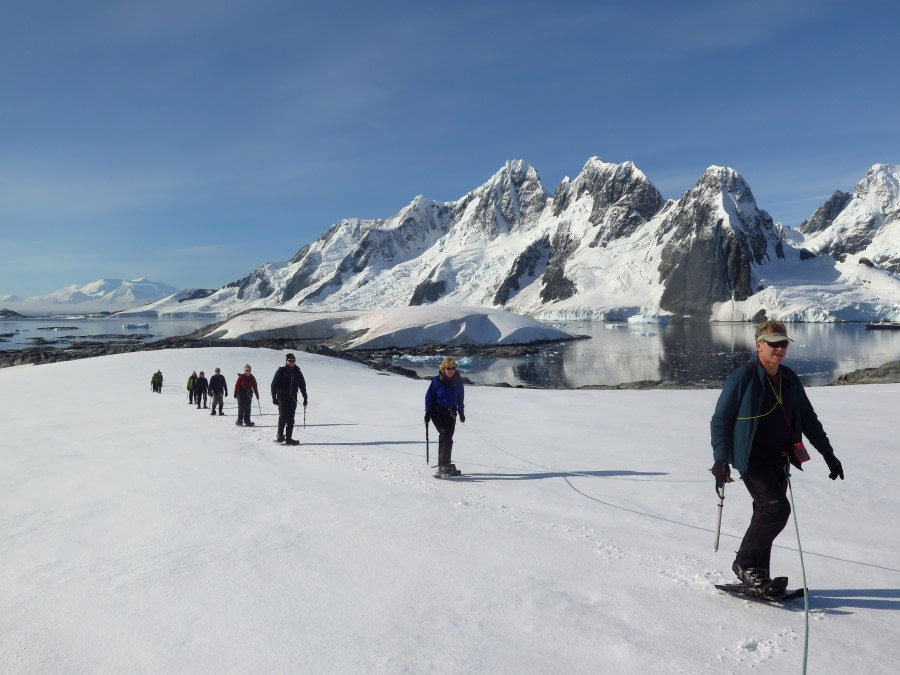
200	394
244	405
217	400
445	423
767	486
287	408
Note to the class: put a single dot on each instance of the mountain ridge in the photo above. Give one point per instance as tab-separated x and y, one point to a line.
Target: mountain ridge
604	245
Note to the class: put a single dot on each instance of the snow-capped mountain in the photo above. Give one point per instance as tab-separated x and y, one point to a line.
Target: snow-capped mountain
603	246
867	223
103	295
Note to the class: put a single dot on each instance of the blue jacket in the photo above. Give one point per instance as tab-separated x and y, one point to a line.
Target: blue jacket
734	422
446	395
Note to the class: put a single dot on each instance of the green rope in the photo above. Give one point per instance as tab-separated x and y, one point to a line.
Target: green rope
778	400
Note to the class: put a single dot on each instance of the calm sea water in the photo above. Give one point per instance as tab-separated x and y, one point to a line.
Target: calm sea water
618	353
16	334
613	354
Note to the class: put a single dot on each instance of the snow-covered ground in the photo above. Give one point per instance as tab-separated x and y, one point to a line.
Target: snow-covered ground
395	327
138	534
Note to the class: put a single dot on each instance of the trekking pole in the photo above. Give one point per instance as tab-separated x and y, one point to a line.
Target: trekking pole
258	406
304	416
720	490
427	458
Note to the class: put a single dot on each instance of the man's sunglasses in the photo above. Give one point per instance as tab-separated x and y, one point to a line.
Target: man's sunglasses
778	345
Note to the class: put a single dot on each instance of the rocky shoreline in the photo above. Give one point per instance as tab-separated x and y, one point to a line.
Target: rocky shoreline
380	359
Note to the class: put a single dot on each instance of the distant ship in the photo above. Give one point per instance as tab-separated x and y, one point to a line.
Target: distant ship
132	326
883	325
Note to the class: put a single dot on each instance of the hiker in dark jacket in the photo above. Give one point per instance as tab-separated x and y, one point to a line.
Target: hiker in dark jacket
218	389
444	400
201	389
288	381
244	389
760	419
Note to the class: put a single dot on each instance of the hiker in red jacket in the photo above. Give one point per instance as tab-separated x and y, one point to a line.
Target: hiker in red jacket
244	389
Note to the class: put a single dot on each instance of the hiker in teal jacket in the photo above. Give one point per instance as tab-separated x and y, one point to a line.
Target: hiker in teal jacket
761	416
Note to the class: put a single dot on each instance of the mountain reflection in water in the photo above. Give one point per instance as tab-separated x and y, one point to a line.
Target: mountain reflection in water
618	353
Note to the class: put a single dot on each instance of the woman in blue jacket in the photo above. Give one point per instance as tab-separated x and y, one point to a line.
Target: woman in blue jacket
760	418
444	400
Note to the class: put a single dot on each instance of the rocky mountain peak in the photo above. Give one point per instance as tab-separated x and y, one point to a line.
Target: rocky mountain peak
713	237
881	188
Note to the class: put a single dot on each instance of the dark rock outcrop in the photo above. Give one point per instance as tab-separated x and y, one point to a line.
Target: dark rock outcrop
824	216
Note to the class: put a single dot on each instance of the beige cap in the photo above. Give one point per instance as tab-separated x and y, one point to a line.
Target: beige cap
774	337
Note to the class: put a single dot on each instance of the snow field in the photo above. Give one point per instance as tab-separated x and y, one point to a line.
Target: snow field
140	534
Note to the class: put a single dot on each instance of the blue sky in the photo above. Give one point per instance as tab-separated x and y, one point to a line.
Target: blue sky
189	141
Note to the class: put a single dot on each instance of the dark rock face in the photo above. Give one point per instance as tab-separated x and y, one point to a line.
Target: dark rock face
197	294
304	276
704	273
858	239
556	285
525	266
428	291
824	216
708	257
258	280
889	263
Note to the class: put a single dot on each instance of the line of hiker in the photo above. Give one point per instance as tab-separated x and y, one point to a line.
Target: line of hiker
287	387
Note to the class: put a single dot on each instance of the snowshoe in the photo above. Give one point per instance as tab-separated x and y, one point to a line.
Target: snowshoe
776	591
291	441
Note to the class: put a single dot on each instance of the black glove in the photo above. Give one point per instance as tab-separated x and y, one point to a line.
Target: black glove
721	472
834	466
427	417
274	401
305	401
462	417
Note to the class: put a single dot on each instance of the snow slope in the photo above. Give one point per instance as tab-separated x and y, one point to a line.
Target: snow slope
396	327
139	534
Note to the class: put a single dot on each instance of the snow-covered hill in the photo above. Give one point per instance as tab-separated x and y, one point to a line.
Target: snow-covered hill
139	534
103	295
602	246
394	327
